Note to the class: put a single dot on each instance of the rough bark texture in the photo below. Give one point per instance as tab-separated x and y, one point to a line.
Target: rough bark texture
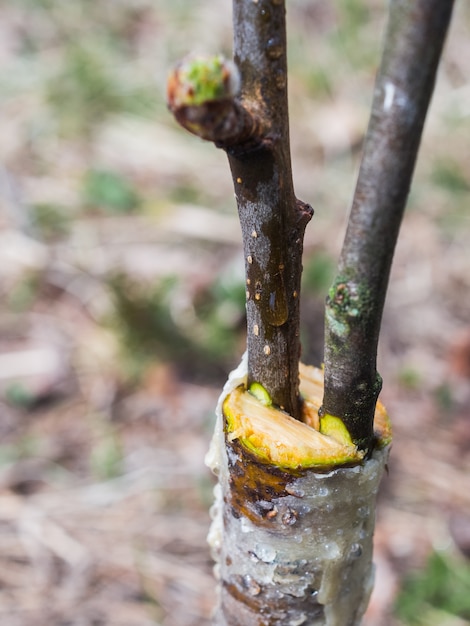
413	45
273	221
253	127
292	547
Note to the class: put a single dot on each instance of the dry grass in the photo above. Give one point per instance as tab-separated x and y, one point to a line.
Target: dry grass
103	493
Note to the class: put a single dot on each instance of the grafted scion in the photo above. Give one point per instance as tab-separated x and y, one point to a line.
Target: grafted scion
413	44
242	108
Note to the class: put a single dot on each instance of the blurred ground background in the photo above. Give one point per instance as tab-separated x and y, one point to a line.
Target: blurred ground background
122	308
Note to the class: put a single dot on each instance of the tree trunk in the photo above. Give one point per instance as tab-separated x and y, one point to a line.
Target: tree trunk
292	546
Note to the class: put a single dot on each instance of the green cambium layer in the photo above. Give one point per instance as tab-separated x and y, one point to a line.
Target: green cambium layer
278	439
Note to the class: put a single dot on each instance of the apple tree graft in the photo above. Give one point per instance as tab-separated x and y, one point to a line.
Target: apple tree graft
252	126
300	453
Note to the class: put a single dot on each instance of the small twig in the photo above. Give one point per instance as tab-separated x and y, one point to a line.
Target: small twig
413	45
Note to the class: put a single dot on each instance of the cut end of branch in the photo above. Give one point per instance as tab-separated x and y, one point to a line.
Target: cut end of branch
278	439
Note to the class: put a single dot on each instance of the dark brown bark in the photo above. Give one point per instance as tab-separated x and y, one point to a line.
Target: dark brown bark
223	121
273	221
415	36
253	128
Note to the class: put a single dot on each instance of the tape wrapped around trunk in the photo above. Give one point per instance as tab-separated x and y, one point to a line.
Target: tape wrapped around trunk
292	546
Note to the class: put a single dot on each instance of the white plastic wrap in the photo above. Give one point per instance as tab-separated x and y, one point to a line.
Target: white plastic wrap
303	554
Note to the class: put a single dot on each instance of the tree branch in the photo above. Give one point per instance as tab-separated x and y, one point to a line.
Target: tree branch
413	44
273	222
253	129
